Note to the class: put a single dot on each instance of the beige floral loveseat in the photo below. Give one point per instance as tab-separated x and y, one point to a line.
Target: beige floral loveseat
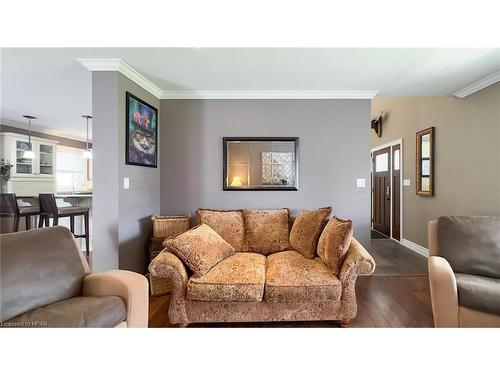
274	273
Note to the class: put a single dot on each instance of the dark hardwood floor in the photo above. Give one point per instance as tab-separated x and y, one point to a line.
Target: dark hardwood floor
383	301
393	259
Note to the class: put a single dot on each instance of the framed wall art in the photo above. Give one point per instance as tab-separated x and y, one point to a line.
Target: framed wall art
141	143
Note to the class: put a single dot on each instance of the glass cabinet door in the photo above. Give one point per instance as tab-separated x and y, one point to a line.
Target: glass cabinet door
46	159
23	166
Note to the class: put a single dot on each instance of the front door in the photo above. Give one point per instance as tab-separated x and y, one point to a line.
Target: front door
382	191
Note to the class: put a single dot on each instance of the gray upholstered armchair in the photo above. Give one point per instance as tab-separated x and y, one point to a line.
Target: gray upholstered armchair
464	271
45	282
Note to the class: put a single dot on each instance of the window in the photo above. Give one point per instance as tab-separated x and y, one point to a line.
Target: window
71	170
382	162
396	160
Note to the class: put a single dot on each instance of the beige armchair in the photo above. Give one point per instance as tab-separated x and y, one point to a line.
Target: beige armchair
464	271
45	282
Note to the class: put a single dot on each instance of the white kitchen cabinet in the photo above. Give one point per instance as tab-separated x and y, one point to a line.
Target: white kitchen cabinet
29	175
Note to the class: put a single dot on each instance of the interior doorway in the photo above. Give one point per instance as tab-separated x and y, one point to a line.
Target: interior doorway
387	203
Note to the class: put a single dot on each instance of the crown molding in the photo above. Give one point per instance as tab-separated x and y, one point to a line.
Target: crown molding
271	94
479	85
118	65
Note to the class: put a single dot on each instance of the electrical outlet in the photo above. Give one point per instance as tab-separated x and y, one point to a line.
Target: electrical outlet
126	183
406	182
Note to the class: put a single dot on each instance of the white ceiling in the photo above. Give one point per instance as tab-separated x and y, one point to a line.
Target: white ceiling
50	84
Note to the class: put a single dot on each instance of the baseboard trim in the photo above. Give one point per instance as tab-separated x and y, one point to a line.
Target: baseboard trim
415	247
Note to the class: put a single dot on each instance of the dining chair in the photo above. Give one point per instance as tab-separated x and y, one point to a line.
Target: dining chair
49	210
10	208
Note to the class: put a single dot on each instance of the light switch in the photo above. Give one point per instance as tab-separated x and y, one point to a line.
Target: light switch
406	182
126	183
360	182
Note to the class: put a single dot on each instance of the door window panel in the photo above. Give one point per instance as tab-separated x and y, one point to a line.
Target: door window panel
396	160
382	162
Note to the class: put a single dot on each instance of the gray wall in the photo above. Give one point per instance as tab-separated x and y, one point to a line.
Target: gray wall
334	150
105	202
142	200
121	221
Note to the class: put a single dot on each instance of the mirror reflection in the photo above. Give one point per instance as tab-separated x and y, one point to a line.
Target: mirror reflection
260	164
425	160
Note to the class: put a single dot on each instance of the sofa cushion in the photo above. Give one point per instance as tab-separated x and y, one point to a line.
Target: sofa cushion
229	224
266	231
97	312
38	267
292	277
334	243
306	229
200	248
479	293
471	244
237	278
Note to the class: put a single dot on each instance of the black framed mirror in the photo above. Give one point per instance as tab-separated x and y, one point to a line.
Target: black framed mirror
260	163
425	162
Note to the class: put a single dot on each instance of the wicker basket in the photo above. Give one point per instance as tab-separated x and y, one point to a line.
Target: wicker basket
166	226
159	285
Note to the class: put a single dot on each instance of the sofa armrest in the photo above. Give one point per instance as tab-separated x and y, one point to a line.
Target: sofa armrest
357	262
167	265
130	286
444	295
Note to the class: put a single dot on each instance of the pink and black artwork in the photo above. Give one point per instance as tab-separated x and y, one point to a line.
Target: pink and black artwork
142	133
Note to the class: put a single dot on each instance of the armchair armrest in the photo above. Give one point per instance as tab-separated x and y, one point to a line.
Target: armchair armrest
167	265
357	262
130	286
444	295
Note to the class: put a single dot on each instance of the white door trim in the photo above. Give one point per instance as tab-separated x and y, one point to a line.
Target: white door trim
395	142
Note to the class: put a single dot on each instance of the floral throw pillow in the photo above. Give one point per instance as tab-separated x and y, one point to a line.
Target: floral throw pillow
334	243
200	248
306	230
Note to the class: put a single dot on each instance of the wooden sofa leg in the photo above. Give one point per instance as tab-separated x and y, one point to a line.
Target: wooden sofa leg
182	325
344	323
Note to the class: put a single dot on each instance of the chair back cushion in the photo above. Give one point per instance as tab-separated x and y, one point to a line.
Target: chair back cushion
200	248
229	224
266	231
306	229
471	244
47	203
38	267
8	204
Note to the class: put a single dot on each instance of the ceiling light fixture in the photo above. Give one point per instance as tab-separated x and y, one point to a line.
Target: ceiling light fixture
88	152
29	154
